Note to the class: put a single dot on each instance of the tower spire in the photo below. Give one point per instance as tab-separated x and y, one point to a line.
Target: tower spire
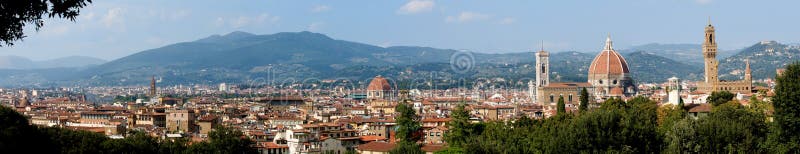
542	45
709	20
748	76
608	43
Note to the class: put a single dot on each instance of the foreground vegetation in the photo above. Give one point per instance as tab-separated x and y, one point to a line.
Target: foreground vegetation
17	136
640	126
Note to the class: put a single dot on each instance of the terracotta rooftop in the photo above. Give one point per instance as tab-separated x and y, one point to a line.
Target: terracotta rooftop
376	146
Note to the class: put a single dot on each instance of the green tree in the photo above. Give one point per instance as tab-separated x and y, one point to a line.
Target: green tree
15	15
17	135
720	97
613	103
787	108
408	130
731	128
459	127
227	140
584	98
561	106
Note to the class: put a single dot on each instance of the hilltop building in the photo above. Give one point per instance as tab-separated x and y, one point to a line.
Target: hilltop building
711	82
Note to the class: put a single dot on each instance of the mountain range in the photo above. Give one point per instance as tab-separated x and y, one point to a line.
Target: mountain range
241	57
17	62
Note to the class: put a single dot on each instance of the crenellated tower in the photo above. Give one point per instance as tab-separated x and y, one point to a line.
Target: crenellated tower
710	57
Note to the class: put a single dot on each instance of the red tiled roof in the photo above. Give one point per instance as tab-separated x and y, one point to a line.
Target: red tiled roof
376	146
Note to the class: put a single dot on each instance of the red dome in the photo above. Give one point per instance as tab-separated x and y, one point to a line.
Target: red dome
608	62
379	84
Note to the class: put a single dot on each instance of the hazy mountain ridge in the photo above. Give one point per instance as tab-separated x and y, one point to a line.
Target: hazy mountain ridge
765	57
240	57
22	63
685	53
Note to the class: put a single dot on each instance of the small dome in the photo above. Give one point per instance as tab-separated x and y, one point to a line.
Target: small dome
608	62
379	84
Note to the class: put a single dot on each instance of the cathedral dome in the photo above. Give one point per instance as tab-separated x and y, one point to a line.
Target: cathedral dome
379	84
608	62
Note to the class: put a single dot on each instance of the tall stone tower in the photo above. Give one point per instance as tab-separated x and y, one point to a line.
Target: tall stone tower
747	76
152	86
710	58
542	71
542	68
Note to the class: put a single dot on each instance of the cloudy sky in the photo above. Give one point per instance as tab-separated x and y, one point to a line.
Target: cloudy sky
114	29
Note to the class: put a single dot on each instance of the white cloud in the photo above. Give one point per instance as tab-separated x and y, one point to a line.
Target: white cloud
416	6
467	17
112	17
178	15
507	20
243	21
702	1
55	30
315	26
320	8
219	22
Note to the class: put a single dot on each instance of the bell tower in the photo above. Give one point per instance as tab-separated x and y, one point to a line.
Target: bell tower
542	68
710	57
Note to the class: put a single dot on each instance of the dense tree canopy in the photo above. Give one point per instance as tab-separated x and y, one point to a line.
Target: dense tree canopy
561	107
408	130
17	135
787	108
16	14
584	98
720	97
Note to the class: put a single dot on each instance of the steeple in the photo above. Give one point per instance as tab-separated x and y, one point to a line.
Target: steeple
152	86
608	43
747	74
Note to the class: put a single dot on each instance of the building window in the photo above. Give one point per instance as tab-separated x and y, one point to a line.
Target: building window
600	81
551	98
570	98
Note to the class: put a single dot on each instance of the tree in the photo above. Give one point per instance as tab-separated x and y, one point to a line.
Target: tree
731	128
15	15
227	140
408	128
613	103
720	97
459	127
584	98
562	108
787	107
16	134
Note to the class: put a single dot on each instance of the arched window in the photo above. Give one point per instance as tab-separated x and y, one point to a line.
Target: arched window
570	98
543	70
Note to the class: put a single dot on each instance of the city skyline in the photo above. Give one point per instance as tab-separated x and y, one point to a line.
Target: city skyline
110	30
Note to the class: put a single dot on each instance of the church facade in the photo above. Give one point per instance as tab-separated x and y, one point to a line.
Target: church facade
711	81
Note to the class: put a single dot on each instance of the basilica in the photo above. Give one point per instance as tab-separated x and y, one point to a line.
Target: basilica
608	76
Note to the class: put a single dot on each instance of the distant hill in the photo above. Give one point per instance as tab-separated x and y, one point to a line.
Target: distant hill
685	53
17	62
245	58
765	57
649	67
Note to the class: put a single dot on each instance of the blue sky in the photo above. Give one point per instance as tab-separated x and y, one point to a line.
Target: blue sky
114	29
